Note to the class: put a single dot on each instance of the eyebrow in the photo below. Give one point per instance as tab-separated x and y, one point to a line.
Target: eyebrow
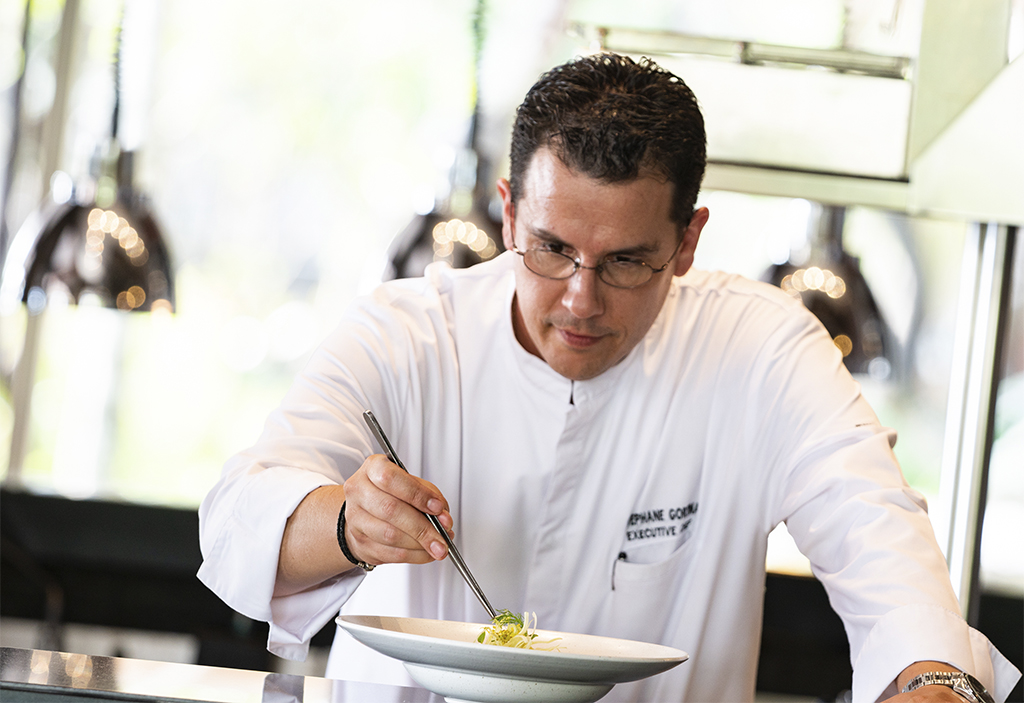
550	238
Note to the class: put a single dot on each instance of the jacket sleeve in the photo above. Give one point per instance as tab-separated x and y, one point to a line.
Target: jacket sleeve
315	438
865	531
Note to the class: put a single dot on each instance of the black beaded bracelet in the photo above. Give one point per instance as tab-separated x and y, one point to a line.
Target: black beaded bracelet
344	545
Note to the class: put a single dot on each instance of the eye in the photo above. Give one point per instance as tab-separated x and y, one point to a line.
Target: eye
554	248
623	261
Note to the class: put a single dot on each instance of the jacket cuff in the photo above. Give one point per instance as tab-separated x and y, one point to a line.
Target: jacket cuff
240	558
915	633
298	617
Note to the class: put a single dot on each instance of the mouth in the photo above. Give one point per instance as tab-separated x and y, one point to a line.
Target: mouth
578	341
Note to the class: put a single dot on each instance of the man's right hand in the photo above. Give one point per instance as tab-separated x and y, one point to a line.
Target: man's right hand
384	519
384	515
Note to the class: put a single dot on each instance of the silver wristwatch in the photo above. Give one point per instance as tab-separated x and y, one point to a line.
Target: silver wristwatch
963	684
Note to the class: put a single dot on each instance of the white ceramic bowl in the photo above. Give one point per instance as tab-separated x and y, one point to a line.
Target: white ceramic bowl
444	657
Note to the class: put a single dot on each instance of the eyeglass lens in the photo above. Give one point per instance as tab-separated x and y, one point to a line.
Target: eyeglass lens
620	274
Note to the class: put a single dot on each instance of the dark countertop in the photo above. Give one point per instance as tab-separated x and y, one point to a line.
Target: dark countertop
35	675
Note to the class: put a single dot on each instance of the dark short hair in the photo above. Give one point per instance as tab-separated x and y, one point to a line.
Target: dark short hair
609	117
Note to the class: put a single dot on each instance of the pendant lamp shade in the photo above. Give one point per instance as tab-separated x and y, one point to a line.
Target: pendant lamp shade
105	250
831	285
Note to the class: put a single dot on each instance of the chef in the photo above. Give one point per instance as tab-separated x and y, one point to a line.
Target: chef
608	434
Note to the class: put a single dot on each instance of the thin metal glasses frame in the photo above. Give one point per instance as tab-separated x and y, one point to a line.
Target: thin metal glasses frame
599	269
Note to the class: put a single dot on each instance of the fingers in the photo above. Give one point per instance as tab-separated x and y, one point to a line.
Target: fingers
384	515
410	489
378	542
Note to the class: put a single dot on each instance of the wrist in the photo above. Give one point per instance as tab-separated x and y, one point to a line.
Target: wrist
343	542
921	667
963	684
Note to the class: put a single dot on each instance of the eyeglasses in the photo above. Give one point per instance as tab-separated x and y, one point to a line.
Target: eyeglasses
618	271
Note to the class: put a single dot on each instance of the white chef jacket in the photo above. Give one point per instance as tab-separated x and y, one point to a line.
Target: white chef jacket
636	504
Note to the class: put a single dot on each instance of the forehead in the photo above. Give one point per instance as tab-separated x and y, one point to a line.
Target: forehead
562	203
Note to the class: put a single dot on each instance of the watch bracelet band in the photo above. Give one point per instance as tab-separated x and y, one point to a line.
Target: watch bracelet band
964	685
343	543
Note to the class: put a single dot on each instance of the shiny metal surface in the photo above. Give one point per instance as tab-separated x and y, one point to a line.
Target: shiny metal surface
965	461
937	133
37	675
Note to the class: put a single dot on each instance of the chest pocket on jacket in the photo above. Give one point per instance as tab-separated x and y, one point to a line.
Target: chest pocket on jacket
644	594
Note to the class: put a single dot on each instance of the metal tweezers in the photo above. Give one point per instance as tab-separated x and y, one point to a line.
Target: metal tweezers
453	551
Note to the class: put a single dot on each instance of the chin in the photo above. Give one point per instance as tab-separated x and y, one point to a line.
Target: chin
578	369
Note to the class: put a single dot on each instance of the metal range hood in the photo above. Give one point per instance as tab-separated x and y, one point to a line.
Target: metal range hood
938	135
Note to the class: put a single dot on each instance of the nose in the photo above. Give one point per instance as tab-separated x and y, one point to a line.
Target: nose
582	295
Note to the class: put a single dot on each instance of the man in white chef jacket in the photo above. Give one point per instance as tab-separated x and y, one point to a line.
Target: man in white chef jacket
609	435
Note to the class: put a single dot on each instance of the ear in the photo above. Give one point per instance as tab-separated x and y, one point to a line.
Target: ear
507	212
684	260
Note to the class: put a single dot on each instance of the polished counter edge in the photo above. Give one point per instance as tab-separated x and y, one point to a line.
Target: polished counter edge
67	675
